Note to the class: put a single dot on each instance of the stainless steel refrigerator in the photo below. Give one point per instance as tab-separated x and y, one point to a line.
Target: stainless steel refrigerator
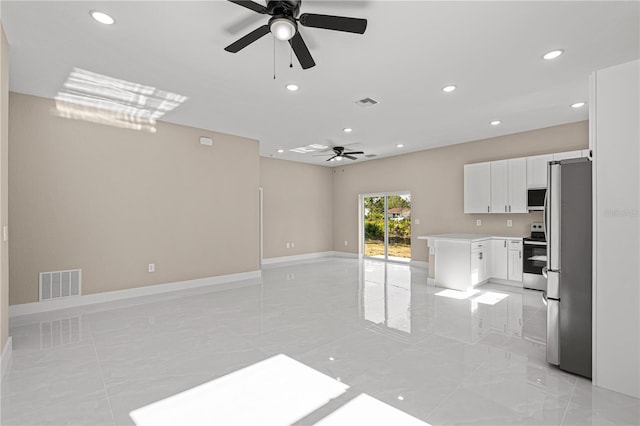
568	228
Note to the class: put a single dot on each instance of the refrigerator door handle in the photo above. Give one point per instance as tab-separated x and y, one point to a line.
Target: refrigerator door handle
544	274
553	217
544	298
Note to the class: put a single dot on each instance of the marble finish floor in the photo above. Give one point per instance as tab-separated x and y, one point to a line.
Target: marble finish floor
332	341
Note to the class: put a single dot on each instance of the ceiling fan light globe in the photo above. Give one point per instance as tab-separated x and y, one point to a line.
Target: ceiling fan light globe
282	29
338	158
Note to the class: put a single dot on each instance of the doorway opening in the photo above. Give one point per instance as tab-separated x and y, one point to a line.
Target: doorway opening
386	226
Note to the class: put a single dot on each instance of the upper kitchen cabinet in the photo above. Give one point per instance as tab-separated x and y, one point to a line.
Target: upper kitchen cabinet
477	188
537	170
509	186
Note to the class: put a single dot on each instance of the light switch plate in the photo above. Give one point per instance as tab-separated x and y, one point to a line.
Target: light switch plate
509	223
478	222
417	221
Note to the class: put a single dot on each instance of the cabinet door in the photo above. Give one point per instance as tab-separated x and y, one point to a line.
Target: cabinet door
475	267
515	265
499	186
477	188
517	185
482	265
565	155
537	170
499	259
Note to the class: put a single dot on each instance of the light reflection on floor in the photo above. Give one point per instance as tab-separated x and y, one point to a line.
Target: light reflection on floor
377	328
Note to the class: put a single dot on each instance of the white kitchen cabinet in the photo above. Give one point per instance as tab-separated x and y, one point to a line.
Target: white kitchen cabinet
509	186
565	155
515	261
537	170
479	258
477	188
499	259
518	185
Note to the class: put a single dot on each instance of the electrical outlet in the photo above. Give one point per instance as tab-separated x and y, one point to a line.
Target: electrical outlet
478	222
345	242
417	221
288	245
152	267
509	223
293	245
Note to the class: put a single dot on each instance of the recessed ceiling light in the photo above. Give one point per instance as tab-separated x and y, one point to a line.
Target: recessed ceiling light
347	130
102	17
495	122
280	151
449	89
292	87
578	105
399	145
553	54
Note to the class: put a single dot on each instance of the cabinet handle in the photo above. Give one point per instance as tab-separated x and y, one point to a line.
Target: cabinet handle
505	243
509	209
488	209
505	209
520	254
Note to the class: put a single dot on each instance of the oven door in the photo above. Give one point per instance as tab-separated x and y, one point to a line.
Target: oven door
533	260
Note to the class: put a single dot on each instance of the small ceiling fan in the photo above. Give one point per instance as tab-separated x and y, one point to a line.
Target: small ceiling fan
284	26
339	154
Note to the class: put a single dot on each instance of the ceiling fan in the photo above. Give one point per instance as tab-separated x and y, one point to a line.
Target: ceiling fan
284	26
339	154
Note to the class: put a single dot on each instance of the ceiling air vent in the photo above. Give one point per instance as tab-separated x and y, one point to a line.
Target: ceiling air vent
370	155
366	102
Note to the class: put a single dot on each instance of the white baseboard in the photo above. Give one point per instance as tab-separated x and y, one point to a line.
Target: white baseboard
5	360
307	256
296	257
419	264
90	299
346	254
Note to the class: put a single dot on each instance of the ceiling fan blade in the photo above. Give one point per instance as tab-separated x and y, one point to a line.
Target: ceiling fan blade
332	158
354	152
248	39
301	51
251	5
336	23
350	157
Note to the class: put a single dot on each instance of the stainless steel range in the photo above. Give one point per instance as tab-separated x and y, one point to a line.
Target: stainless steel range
535	258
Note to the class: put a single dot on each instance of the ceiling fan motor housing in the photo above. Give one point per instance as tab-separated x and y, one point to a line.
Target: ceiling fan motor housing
284	8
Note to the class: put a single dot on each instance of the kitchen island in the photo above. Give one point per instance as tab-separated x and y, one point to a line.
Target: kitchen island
464	261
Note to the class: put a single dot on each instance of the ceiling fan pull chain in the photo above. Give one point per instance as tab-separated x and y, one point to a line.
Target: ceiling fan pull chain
290	56
274	58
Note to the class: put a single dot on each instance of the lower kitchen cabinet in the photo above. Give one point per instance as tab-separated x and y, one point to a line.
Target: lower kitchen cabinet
515	261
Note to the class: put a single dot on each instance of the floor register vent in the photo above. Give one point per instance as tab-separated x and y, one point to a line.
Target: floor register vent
60	284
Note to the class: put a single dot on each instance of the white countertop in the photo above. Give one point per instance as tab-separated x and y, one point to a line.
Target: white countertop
461	237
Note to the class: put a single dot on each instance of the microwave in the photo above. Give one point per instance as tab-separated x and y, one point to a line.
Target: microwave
535	198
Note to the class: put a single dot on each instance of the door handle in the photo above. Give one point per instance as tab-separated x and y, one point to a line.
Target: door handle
544	272
544	298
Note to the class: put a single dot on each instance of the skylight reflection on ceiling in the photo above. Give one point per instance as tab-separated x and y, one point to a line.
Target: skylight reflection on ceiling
106	100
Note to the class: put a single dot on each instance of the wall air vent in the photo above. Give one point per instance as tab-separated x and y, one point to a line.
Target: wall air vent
59	284
367	102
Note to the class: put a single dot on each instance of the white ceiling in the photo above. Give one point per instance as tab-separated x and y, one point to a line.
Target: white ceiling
411	49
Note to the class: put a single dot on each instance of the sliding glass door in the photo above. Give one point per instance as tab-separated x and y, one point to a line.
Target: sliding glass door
386	225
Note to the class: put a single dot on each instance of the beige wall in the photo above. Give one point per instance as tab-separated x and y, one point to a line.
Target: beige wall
4	190
435	179
110	201
297	207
